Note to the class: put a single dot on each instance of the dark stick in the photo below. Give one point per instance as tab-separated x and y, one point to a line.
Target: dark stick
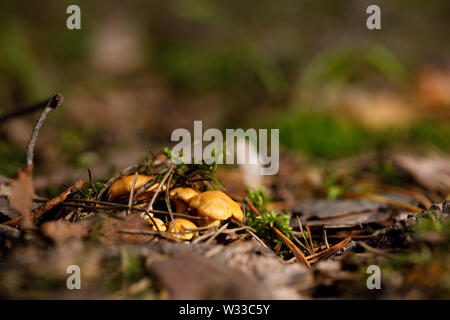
155	195
144	188
22	111
131	198
112	206
169	207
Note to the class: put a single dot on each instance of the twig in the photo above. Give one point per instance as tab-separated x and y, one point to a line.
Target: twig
131	198
403	191
217	233
202	237
144	188
23	111
92	181
330	251
49	205
303	234
169	207
386	200
53	103
125	172
155	195
112	205
294	249
372	249
141	231
299	242
258	239
310	238
325	238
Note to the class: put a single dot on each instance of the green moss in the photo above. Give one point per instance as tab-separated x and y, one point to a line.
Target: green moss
321	135
11	159
431	132
329	136
263	224
387	173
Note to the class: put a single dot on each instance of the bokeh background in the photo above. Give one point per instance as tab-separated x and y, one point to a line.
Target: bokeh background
138	70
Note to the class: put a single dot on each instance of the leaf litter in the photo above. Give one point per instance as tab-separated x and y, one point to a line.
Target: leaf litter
312	247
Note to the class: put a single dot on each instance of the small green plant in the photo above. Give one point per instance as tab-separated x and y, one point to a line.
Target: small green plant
258	197
263	224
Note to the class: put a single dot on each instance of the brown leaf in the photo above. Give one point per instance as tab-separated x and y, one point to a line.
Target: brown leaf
61	231
111	227
432	173
22	194
196	277
49	205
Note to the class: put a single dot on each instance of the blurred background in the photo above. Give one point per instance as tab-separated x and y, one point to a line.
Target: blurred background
138	70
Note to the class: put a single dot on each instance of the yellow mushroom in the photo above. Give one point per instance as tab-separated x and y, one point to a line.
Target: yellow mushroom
180	196
209	223
123	186
216	205
161	225
183	193
182	224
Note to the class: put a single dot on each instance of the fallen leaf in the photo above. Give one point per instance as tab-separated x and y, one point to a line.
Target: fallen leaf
22	194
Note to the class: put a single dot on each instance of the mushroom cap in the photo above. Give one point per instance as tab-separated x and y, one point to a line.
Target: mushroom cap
209	223
123	186
182	224
216	205
183	193
161	225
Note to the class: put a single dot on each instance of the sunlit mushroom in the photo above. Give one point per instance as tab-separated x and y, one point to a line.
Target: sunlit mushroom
181	226
123	186
180	196
161	225
216	205
209	223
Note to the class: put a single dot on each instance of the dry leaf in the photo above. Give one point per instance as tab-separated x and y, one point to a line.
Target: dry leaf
22	194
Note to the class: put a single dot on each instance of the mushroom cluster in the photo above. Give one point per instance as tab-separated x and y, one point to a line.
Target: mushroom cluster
216	206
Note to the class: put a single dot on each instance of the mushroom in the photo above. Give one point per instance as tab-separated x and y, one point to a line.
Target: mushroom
161	225
182	224
216	205
123	186
180	196
209	223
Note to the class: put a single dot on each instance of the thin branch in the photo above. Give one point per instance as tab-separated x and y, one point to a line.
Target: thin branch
169	207
111	205
144	188
215	234
325	238
310	238
294	249
155	195
125	172
303	235
91	180
131	198
53	103
25	110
